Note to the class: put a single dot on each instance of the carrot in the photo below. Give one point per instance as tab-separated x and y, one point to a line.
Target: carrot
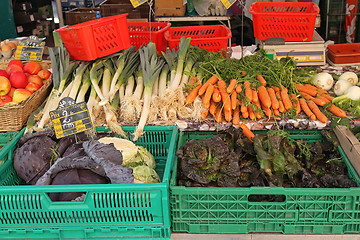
264	96
276	89
281	104
212	80
236	115
212	108
318	101
245	114
192	95
261	80
327	96
286	99
296	103
315	109
216	95
192	81
207	97
243	73
276	112
243	108
251	113
310	91
218	114
306	109
246	131
231	86
224	95
319	90
248	91
238	88
266	110
234	100
336	110
274	101
204	114
257	110
255	97
228	115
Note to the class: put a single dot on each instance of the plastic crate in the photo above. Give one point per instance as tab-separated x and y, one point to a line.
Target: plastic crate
211	37
142	32
346	53
108	211
6	143
292	21
228	210
96	38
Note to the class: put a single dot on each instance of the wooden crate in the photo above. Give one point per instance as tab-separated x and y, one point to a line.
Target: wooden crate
79	15
115	7
169	8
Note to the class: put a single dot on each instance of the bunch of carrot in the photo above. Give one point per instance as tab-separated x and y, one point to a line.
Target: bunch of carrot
256	101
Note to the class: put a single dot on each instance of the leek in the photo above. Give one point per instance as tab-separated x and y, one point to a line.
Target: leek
181	56
78	77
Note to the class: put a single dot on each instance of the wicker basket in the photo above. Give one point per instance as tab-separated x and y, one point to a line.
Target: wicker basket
13	117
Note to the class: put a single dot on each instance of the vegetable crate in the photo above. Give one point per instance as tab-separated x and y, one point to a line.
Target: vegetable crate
345	53
211	37
142	32
229	210
6	142
292	21
96	38
108	210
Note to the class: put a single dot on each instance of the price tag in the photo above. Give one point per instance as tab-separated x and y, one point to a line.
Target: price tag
228	3
70	118
137	3
30	49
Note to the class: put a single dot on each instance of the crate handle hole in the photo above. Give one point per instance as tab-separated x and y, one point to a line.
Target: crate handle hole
67	196
264	198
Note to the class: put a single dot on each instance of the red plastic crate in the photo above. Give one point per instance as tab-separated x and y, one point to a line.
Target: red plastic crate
211	37
345	53
292	21
142	32
96	38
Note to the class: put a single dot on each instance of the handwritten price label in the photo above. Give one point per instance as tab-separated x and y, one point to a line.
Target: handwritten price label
70	118
137	3
228	3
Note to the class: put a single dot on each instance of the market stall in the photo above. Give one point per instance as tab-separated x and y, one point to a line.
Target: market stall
143	129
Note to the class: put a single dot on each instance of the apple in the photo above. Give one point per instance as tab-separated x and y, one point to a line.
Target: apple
5	99
16	62
44	74
27	75
35	79
13	68
32	87
32	67
5	86
11	93
21	94
18	79
4	73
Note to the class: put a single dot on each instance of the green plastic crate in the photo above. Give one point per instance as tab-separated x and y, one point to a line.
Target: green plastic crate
8	140
108	210
228	210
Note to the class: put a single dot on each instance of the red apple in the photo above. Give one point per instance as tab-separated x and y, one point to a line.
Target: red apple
18	79
5	86
32	67
21	94
11	93
44	74
35	79
32	87
13	68
4	73
27	75
16	62
5	99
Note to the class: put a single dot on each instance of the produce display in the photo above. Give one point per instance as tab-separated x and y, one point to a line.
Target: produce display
273	159
41	159
20	80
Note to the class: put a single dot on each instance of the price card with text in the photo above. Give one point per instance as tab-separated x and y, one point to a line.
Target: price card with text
137	3
228	3
30	49
70	118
